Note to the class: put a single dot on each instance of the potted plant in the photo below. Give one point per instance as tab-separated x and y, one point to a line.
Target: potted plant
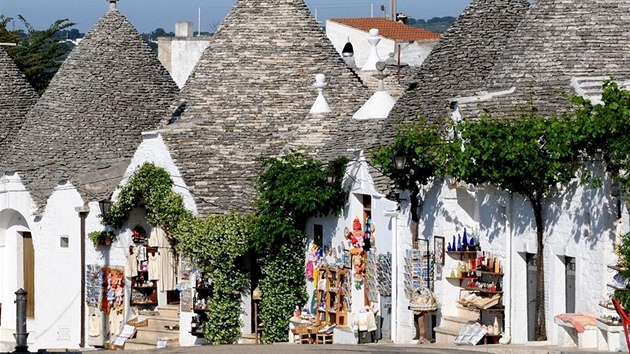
102	238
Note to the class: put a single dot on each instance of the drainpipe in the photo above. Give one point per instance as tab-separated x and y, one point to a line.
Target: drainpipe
507	279
83	212
394	215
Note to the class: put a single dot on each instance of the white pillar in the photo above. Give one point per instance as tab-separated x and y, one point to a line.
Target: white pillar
394	320
507	278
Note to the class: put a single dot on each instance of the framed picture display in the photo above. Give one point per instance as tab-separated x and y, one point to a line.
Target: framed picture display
438	244
425	259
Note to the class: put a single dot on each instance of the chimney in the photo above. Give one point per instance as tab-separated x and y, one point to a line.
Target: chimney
184	30
393	9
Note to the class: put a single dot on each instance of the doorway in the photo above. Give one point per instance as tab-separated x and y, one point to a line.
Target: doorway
28	275
570	284
532	286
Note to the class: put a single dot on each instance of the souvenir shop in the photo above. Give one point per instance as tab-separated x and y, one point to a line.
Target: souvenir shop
115	294
349	282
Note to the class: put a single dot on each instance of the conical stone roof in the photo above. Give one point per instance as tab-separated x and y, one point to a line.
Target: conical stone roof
460	62
88	124
558	41
248	95
17	97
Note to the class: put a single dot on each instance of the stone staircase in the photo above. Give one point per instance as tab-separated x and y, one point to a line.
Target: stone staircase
146	337
451	325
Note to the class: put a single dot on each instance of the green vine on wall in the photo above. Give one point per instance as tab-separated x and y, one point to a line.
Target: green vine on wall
150	187
290	190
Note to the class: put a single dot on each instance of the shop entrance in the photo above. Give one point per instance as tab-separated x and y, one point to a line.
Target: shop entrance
570	284
28	261
532	286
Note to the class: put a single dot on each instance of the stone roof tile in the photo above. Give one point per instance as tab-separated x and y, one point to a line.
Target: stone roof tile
87	125
558	40
17	97
462	59
249	94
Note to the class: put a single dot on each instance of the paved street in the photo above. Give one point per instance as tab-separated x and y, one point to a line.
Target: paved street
366	348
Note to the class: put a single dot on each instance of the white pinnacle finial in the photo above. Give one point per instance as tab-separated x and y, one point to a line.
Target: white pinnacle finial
112	4
381	102
320	105
370	64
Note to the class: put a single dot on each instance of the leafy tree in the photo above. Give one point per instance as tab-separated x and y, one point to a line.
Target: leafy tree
528	156
37	54
608	128
435	24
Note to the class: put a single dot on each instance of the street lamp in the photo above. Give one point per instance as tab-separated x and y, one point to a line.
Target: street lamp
104	206
332	178
400	161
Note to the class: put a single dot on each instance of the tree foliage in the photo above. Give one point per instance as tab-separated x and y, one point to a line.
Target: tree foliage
38	53
290	190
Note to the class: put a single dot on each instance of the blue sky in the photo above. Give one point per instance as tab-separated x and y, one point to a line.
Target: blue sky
147	15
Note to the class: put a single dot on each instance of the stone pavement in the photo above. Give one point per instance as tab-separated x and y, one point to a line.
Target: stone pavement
285	348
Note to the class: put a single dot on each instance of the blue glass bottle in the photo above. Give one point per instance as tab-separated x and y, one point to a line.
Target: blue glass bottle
459	242
465	239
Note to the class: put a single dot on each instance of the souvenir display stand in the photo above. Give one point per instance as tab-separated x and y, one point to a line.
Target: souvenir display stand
202	293
143	288
330	297
480	276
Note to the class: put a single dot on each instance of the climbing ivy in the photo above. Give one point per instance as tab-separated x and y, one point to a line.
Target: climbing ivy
152	188
290	190
219	245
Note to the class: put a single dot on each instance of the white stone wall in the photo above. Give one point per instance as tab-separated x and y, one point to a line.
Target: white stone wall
339	34
578	223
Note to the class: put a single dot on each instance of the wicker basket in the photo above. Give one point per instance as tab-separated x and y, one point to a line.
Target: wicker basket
303	329
314	329
423	300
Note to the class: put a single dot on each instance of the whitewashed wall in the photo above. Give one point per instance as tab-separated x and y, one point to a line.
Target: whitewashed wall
358	182
18	213
339	34
180	55
578	223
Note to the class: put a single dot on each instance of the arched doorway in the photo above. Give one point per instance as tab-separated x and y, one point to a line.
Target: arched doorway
17	264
